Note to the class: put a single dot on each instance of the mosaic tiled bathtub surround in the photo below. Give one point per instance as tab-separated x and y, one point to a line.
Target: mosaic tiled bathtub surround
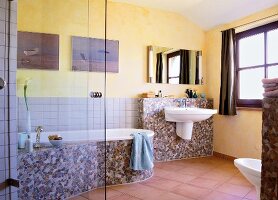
59	173
167	145
117	164
269	182
51	173
73	113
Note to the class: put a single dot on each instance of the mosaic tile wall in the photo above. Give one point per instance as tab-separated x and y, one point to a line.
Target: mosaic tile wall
59	173
167	145
63	114
8	123
269	181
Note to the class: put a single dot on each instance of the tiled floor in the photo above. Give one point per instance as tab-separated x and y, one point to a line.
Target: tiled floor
193	179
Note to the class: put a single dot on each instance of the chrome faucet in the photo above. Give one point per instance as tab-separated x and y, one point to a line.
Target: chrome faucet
182	103
39	129
185	103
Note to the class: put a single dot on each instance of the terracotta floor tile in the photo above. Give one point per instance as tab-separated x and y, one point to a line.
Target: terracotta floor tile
78	198
214	175
172	165
123	197
160	172
237	190
220	196
206	183
252	195
191	191
100	194
194	171
207	178
173	196
207	165
161	183
128	187
225	172
239	180
218	161
228	168
158	164
140	191
175	176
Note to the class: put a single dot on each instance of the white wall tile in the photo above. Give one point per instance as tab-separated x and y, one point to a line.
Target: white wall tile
2	164
67	113
2	14
3	3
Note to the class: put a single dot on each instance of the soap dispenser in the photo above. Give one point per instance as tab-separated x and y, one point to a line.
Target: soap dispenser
159	93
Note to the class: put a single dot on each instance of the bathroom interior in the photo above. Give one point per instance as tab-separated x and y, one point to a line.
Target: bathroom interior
138	99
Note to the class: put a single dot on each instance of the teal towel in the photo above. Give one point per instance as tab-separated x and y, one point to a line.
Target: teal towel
141	152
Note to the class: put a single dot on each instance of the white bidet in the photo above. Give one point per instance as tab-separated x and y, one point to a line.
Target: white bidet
251	170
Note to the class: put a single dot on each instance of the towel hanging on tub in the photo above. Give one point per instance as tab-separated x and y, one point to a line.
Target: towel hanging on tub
141	152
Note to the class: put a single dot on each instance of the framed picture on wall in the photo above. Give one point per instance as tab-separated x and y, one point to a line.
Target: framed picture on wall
38	51
88	54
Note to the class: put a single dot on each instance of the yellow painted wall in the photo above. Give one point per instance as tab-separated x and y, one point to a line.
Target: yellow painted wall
238	136
135	27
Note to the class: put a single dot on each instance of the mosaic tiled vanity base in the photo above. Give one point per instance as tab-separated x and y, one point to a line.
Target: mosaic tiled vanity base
167	145
59	173
269	182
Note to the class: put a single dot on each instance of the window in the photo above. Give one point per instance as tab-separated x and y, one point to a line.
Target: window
173	67
257	58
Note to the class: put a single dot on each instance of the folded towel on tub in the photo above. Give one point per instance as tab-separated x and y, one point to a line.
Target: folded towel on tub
269	89
269	85
270	80
141	152
271	94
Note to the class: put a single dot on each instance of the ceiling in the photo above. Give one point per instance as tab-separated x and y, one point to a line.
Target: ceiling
208	13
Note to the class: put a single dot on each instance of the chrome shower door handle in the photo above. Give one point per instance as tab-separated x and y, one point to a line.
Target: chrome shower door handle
95	94
2	83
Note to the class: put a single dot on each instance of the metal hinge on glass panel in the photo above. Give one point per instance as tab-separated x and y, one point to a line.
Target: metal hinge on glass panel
2	84
13	182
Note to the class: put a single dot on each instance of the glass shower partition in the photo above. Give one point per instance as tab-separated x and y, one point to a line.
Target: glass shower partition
61	66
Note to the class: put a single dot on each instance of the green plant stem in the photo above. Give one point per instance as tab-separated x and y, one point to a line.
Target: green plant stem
25	97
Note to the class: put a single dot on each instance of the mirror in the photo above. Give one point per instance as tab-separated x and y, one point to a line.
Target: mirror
174	66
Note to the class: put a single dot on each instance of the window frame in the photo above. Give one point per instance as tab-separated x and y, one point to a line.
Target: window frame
253	103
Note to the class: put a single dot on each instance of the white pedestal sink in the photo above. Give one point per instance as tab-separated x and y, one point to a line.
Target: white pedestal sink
184	118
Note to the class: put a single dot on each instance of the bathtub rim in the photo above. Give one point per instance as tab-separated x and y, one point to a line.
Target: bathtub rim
44	135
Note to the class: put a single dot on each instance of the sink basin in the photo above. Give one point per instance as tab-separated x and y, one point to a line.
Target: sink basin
176	114
184	117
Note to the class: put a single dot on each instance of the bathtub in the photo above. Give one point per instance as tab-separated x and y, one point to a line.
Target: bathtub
79	165
92	135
